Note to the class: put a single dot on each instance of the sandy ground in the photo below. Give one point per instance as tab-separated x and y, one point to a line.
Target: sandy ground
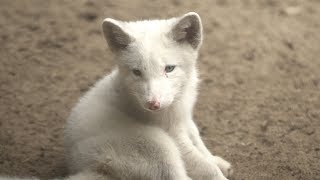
259	102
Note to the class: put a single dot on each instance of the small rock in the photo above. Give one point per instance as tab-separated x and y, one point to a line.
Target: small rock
264	125
208	81
239	80
203	130
89	3
250	55
177	2
88	16
309	131
291	10
289	45
316	82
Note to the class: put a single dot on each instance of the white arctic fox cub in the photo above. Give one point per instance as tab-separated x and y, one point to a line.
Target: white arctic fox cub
136	123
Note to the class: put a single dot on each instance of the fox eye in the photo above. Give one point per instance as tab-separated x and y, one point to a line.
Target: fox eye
137	72
169	68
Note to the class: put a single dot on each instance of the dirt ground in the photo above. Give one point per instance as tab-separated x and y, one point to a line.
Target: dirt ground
259	102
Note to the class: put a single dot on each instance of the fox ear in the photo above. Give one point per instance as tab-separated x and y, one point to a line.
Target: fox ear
188	29
116	37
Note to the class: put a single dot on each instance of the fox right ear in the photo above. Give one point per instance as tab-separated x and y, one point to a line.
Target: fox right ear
116	37
188	29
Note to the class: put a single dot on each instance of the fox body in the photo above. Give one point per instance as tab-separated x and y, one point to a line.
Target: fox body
137	122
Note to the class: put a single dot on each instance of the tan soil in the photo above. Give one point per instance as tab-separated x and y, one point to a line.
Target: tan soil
259	102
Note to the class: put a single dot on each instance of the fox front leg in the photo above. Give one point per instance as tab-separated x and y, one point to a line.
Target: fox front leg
194	135
197	165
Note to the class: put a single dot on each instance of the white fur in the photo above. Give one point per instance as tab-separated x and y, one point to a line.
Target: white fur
112	131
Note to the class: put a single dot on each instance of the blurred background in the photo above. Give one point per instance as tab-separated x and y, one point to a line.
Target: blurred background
259	101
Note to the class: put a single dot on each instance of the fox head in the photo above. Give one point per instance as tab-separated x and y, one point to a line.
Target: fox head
156	58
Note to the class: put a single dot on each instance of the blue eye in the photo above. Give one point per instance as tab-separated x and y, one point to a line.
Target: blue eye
137	72
169	68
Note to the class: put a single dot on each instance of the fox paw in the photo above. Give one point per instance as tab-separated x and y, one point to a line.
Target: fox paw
224	166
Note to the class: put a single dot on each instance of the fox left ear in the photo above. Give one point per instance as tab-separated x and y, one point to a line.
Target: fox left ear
116	37
188	29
